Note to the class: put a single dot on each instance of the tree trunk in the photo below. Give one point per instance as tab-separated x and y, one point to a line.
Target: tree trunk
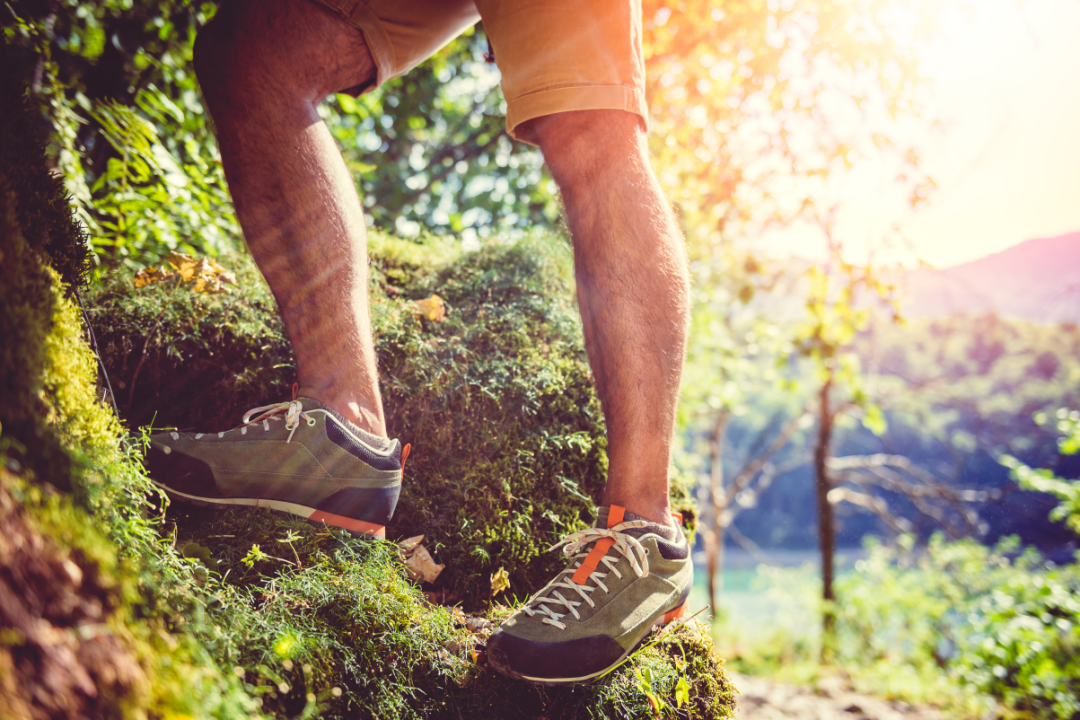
714	538
826	526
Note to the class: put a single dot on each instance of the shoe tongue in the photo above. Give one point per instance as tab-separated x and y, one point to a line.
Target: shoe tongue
608	517
374	441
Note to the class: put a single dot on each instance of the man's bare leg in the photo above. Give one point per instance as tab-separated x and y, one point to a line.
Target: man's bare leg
633	293
264	66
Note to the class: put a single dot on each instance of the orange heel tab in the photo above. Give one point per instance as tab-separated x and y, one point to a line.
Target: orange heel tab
295	388
615	515
678	613
405	455
678	518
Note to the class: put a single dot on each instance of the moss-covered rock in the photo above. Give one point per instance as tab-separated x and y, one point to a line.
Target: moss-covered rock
496	400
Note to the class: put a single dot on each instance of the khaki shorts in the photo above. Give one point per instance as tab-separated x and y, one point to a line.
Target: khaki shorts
554	55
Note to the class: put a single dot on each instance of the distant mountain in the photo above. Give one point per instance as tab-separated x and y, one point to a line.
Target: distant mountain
1037	280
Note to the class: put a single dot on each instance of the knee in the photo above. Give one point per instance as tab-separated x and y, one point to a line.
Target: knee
580	146
213	53
270	52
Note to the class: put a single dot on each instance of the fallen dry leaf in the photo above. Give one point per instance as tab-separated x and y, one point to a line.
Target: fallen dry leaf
224	275
183	264
432	308
419	565
479	625
151	275
206	274
500	581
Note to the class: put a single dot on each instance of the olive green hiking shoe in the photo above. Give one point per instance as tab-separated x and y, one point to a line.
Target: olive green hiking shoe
627	576
299	457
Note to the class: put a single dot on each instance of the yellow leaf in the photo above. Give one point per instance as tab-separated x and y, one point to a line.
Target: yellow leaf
432	308
500	581
183	264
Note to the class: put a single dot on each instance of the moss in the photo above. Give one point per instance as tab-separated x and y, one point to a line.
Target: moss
83	633
507	364
45	216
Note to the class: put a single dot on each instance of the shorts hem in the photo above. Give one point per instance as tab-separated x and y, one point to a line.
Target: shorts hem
567	99
378	42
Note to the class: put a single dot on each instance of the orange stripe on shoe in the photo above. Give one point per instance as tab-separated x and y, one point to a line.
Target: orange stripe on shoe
348	523
615	515
404	456
678	517
677	614
588	567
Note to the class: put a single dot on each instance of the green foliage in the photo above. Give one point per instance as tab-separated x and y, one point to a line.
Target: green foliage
429	151
55	433
1001	625
202	359
1044	480
975	383
145	203
130	136
972	628
1025	648
43	216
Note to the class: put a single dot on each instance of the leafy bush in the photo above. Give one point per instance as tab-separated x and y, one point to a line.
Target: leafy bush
1024	648
996	623
972	628
1044	479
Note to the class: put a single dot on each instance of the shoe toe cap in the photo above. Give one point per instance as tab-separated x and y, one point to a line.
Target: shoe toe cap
554	661
179	471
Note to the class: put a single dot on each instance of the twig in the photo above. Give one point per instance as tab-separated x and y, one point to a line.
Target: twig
146	345
97	353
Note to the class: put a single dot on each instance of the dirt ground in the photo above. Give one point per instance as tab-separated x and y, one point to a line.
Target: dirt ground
830	699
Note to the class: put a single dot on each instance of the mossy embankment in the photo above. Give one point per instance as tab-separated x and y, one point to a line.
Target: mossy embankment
115	604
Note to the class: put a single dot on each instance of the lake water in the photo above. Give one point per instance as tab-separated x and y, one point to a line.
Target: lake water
753	599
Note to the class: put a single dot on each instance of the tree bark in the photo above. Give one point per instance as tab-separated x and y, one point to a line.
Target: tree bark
714	538
826	526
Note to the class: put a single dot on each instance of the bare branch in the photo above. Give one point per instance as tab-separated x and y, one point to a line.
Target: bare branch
874	504
752	468
748	545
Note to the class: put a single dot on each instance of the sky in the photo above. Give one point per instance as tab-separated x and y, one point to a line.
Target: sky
1005	81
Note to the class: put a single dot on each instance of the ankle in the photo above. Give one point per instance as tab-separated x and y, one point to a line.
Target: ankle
350	407
654	513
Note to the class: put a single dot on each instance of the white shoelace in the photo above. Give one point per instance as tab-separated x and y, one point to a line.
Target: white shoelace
293	411
628	545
